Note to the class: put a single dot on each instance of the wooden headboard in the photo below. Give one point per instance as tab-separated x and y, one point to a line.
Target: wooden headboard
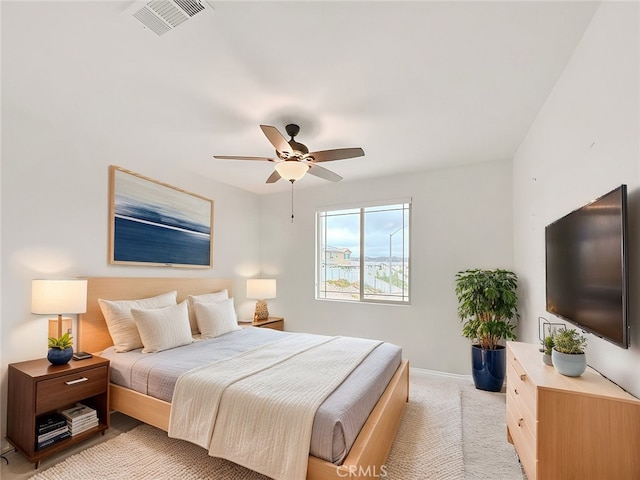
93	335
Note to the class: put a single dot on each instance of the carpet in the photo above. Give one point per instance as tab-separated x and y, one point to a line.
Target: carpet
428	446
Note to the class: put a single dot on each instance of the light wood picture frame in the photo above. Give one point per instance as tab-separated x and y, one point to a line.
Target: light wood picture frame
155	224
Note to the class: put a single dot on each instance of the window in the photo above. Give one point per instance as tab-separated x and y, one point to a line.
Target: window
363	253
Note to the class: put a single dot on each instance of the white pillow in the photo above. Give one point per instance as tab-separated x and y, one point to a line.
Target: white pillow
203	298
163	328
122	328
216	318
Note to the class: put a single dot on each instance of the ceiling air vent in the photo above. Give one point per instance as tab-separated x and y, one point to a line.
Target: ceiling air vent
161	16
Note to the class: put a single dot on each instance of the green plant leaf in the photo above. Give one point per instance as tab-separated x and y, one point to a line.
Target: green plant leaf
487	305
569	341
65	341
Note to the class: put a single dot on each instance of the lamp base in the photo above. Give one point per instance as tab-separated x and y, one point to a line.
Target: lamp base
262	312
65	326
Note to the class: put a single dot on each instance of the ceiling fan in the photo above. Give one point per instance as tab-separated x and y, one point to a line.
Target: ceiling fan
294	159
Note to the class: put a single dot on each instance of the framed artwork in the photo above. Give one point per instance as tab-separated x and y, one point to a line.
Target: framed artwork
152	223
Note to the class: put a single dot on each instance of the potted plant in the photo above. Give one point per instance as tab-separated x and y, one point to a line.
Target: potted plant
568	354
488	309
60	349
548	344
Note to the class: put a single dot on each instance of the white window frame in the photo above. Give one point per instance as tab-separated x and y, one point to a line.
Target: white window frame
321	214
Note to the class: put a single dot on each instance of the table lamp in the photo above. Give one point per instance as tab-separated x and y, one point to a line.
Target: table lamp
261	289
58	297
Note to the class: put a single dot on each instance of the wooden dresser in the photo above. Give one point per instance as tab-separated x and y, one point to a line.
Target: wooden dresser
569	428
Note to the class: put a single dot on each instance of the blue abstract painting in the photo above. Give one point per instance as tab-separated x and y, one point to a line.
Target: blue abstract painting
154	223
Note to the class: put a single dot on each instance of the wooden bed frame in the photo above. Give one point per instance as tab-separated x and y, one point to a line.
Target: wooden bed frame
372	446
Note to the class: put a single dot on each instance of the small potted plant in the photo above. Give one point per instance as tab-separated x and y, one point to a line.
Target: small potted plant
488	310
60	349
548	344
568	354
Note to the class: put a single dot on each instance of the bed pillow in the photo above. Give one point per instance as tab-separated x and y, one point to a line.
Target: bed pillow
203	298
163	328
122	328
216	318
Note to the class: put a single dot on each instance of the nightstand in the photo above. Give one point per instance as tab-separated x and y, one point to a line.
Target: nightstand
36	387
276	323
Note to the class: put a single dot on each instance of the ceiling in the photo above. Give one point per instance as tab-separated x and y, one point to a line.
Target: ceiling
417	85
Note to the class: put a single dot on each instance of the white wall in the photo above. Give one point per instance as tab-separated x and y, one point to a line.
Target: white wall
55	219
461	218
584	143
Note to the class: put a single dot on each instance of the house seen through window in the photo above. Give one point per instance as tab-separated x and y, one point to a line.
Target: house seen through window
363	253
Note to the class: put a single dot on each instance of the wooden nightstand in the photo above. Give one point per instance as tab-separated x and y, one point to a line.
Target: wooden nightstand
36	387
276	323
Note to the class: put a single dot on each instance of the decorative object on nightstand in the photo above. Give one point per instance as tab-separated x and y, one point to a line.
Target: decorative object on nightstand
60	349
58	297
261	289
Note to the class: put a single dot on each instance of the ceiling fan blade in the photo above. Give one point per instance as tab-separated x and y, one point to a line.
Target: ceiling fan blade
232	157
336	154
277	140
274	177
322	172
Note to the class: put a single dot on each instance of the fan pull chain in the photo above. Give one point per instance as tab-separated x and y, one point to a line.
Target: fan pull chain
292	201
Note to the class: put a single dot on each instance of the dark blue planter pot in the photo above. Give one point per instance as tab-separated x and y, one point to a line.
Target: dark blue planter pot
489	368
56	356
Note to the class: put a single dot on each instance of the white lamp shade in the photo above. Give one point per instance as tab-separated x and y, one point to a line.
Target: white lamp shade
291	170
261	288
58	296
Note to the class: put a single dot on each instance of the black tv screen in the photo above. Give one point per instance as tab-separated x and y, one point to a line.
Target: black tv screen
586	267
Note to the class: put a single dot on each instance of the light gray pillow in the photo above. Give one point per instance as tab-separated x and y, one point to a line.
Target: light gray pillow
163	328
203	298
216	318
122	328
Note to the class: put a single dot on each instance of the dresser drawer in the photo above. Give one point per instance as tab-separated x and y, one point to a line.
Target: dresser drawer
521	414
522	388
523	437
525	420
62	391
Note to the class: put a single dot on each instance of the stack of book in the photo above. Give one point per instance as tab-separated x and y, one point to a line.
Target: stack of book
51	429
80	418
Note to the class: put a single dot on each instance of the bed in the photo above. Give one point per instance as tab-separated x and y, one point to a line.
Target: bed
369	450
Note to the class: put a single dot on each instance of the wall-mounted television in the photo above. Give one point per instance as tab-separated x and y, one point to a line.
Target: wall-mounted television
587	267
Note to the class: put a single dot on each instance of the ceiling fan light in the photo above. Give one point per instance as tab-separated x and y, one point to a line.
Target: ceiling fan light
292	170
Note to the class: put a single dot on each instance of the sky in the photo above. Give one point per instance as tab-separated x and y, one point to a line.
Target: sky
380	226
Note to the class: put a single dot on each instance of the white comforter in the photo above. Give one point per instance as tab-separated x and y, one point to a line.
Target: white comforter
257	408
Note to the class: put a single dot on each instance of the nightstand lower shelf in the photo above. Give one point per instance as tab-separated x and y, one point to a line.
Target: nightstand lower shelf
46	452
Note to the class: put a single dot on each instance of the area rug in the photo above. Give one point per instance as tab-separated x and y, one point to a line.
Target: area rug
428	446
